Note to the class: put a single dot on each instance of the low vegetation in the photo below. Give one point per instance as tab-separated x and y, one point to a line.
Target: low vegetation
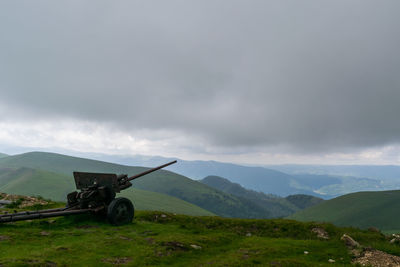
363	209
160	238
267	205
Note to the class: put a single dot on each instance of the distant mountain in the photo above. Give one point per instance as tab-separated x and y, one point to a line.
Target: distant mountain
379	172
280	180
315	182
335	185
162	181
31	182
274	205
362	209
2	155
256	178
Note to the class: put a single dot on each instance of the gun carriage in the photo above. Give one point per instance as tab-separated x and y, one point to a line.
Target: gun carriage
96	195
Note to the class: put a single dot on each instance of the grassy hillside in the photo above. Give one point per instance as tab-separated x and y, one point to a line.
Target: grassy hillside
63	164
26	181
303	201
147	200
178	240
273	206
161	182
2	155
201	195
363	209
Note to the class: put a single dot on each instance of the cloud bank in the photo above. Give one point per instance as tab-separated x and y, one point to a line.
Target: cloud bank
304	77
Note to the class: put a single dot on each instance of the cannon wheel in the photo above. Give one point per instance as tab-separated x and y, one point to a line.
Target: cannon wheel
120	211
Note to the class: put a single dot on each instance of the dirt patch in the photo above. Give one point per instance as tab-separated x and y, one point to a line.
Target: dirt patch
150	240
50	264
86	226
44	233
23	201
321	233
117	261
350	242
62	249
174	245
377	258
125	238
148	233
4	238
30	261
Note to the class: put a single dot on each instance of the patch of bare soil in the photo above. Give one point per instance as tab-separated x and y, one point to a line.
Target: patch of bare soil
117	261
369	256
4	237
377	258
320	232
86	226
174	245
25	201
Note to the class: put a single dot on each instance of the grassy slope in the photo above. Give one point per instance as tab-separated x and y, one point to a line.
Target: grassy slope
363	209
161	181
273	206
155	240
203	196
303	201
26	181
147	200
2	155
64	164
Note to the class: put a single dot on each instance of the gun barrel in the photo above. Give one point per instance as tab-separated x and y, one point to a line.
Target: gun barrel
149	171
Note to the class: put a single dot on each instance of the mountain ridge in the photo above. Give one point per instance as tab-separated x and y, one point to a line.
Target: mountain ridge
339	183
162	181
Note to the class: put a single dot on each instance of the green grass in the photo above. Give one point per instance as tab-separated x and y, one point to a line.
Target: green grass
26	181
153	239
362	209
147	200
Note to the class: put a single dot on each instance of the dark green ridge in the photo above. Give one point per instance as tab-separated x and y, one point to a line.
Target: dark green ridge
363	209
272	206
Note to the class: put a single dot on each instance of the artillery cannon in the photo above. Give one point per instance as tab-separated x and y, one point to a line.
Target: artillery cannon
97	195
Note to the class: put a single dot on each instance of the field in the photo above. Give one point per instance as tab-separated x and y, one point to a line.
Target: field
159	238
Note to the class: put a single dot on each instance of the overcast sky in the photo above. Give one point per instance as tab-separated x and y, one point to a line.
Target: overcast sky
263	82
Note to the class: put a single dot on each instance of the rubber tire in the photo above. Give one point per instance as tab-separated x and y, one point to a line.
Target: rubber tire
120	211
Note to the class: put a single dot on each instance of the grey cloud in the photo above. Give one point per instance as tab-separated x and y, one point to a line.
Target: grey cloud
304	74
